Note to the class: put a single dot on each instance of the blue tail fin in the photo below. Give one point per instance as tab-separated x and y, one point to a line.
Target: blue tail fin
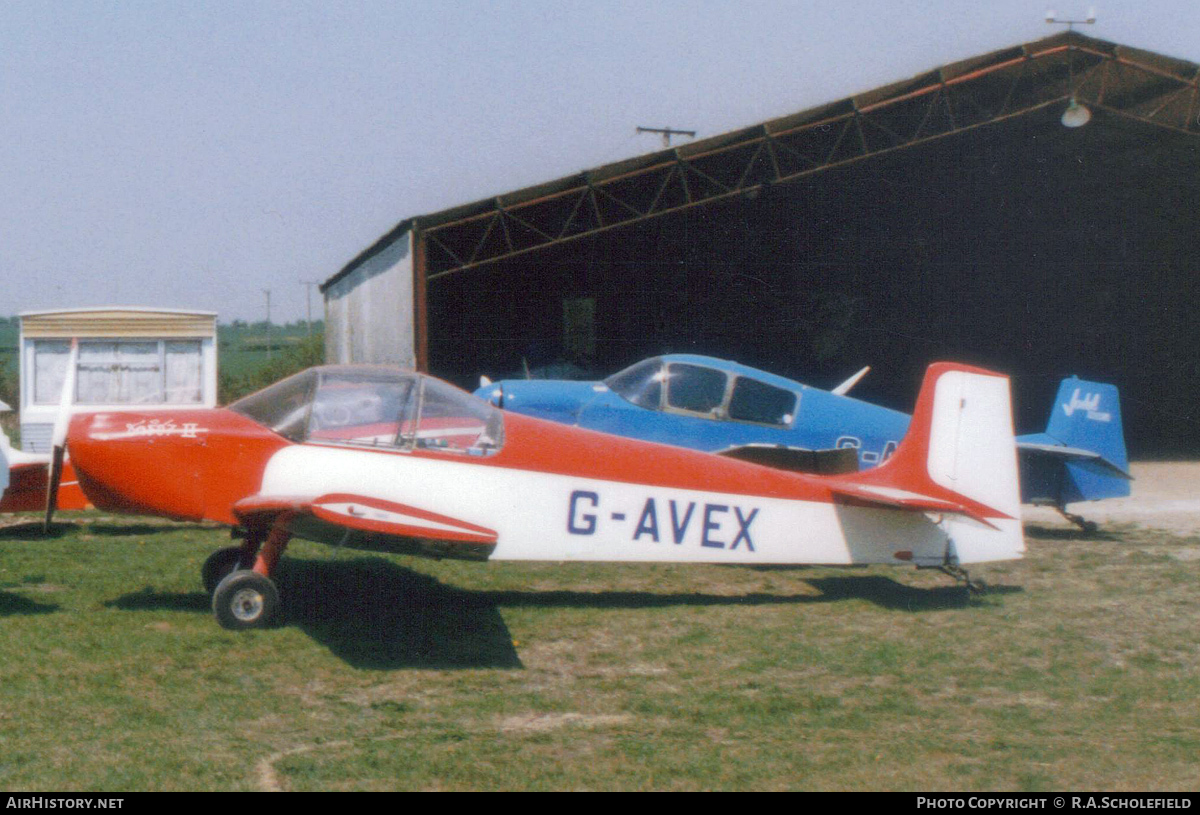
1081	456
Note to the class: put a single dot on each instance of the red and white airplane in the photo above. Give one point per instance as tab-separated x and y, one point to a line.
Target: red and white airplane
388	460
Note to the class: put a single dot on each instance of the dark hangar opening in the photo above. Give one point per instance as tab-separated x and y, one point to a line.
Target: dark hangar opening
952	216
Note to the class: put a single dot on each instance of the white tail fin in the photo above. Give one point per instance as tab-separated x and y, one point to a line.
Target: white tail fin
958	458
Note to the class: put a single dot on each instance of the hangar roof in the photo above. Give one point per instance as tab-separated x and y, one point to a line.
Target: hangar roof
1116	79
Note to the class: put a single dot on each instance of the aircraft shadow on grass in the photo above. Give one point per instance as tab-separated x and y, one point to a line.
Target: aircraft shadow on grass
882	591
375	614
141	529
33	531
14	604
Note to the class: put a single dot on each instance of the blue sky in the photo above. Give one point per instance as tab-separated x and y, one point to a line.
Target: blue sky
191	155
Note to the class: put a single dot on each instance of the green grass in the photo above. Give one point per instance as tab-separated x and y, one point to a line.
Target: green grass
1080	669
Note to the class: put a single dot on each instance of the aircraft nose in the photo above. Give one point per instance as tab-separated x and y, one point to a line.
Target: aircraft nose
135	463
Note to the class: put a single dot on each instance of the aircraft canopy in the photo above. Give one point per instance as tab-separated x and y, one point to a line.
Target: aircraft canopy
378	407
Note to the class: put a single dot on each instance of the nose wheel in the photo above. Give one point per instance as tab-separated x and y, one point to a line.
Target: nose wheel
245	599
239	577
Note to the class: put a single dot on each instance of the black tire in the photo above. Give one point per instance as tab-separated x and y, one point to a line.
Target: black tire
219	564
245	599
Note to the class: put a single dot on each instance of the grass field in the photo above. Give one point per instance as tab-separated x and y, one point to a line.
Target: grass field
1079	669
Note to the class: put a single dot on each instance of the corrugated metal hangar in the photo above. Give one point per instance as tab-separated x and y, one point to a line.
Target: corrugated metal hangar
975	213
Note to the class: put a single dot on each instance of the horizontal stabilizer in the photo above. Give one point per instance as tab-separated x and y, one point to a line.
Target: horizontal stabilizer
900	499
1081	455
1060	452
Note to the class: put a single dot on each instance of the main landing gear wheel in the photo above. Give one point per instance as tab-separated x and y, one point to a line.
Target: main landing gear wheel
245	599
219	564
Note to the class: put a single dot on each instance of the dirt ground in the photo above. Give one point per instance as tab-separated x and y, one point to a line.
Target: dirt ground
1165	495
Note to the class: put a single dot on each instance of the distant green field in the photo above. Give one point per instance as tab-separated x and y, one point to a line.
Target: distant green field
243	350
1079	670
9	336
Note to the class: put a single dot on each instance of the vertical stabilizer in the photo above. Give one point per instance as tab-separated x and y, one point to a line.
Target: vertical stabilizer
1087	416
959	451
1081	456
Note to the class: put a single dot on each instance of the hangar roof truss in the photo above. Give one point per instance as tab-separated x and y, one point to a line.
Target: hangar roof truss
952	99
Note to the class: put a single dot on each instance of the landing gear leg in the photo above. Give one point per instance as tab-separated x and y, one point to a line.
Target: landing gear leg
224	561
962	576
1080	521
951	566
247	597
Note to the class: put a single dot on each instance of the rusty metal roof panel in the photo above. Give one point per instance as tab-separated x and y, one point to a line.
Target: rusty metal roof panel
898	89
986	62
831	110
1157	89
1179	68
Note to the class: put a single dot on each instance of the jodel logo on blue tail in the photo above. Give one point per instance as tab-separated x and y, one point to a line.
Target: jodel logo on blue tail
1090	404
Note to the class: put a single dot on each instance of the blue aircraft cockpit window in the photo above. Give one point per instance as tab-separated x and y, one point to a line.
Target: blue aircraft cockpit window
757	402
695	389
640	384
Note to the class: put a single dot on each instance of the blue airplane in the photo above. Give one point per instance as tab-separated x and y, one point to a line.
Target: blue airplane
731	409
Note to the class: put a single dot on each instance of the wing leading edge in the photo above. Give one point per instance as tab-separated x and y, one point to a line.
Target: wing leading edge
376	520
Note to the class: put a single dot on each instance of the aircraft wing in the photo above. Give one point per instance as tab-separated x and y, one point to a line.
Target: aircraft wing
25	477
363	514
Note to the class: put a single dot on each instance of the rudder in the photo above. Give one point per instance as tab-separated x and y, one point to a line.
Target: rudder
960	449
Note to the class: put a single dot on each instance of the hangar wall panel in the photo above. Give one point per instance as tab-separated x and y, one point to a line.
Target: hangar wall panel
369	312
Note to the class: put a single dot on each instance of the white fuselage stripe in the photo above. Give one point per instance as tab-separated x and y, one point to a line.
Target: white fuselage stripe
542	516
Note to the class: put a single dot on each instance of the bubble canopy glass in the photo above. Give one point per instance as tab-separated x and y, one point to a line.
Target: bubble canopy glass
375	407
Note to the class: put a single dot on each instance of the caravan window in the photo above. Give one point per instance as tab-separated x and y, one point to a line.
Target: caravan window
121	372
50	358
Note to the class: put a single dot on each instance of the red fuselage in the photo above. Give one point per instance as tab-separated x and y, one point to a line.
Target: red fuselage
187	465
